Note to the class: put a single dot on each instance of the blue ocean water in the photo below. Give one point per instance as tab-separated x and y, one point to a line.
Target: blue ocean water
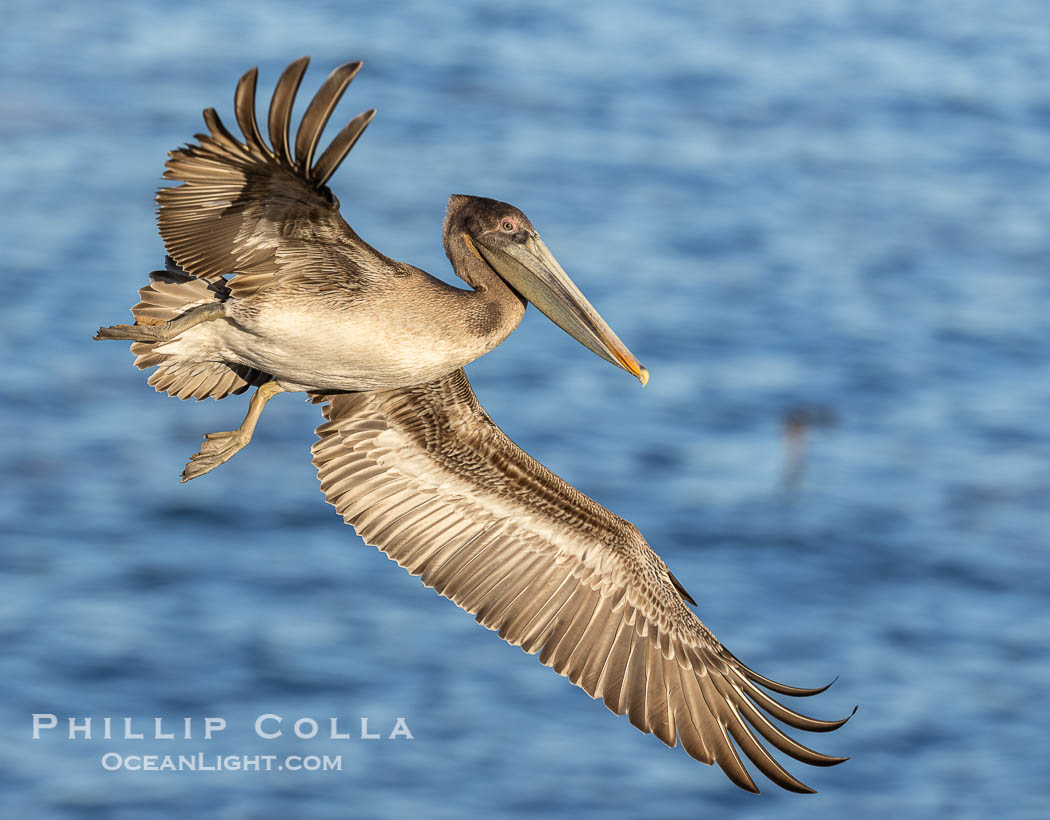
838	204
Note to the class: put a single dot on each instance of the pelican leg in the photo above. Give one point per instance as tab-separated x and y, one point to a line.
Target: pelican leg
164	332
219	448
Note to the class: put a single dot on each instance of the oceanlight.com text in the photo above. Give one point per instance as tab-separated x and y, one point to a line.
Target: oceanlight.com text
201	762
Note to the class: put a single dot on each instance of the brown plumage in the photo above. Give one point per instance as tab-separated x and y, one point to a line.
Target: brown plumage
300	296
171	293
260	213
268	286
424	474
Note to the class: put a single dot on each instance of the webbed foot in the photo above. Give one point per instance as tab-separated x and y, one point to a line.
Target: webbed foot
131	333
163	332
216	449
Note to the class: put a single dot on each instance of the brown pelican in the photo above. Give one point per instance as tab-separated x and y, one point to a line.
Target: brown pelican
268	286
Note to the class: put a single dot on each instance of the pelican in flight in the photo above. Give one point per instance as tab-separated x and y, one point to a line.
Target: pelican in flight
267	286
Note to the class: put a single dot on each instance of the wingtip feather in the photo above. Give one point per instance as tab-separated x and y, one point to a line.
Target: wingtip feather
280	116
244	110
320	111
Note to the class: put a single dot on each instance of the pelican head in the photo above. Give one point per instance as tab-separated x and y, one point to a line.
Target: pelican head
502	236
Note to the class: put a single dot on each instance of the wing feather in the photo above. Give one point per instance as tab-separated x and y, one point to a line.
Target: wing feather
597	651
549	569
452	541
320	110
244	110
280	118
609	684
636	681
653	706
337	150
527	624
538	631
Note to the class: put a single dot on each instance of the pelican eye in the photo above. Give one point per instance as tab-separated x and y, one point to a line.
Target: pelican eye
508	226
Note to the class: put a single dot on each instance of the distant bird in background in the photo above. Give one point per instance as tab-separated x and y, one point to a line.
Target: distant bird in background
797	422
268	287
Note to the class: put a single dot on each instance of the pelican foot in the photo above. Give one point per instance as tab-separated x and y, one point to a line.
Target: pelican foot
132	333
163	332
217	448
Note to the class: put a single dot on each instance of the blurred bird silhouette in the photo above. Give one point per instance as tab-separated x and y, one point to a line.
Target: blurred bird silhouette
797	422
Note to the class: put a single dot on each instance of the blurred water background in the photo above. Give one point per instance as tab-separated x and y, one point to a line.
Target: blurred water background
837	205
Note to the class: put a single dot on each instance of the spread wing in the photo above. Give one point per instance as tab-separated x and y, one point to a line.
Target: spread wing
424	474
260	212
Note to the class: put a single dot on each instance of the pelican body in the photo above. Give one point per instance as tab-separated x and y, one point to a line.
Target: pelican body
361	321
266	285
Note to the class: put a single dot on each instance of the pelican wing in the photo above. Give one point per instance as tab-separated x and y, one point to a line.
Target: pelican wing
264	212
424	474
